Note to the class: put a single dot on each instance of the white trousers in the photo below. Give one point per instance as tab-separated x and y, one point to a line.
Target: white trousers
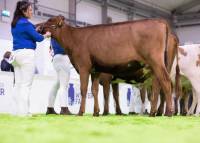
24	67
61	64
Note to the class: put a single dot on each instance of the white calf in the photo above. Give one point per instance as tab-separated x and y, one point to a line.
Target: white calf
189	63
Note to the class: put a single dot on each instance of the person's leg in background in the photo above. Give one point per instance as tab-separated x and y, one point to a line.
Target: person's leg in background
64	76
63	91
60	88
16	89
54	89
52	97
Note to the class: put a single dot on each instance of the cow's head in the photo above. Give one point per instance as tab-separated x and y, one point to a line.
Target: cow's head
52	25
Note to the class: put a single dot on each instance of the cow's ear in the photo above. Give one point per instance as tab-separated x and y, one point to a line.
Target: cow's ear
62	17
61	20
60	23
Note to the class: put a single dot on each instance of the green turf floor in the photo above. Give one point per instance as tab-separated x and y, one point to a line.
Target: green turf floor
88	129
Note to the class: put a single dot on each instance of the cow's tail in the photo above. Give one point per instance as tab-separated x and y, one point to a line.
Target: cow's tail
178	87
166	45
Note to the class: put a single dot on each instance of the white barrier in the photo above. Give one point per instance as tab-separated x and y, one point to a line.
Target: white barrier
41	88
6	86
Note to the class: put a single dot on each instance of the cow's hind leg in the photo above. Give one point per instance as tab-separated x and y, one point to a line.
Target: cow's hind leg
106	90
194	102
165	82
154	97
115	88
162	103
198	103
185	108
176	105
95	89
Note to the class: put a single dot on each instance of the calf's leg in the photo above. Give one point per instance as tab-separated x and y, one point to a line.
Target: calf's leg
84	77
194	102
106	90
162	103
154	97
142	95
95	89
165	82
115	88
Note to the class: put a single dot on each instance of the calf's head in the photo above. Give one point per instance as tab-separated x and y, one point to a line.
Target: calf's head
52	25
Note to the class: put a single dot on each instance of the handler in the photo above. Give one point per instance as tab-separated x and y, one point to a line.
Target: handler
61	65
25	37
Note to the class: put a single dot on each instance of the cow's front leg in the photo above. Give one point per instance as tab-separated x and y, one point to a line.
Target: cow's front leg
95	89
84	76
165	82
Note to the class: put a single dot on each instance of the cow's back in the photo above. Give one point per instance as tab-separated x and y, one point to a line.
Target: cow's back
124	42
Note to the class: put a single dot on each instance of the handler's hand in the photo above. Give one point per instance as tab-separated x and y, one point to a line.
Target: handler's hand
47	34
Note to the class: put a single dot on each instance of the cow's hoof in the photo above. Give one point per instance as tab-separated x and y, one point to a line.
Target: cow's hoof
96	114
159	114
176	113
118	113
105	113
169	114
152	114
80	113
184	114
121	114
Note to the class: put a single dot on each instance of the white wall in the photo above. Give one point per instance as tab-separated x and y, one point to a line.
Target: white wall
116	15
91	13
188	34
5	32
88	12
62	5
54	7
43	57
5	45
